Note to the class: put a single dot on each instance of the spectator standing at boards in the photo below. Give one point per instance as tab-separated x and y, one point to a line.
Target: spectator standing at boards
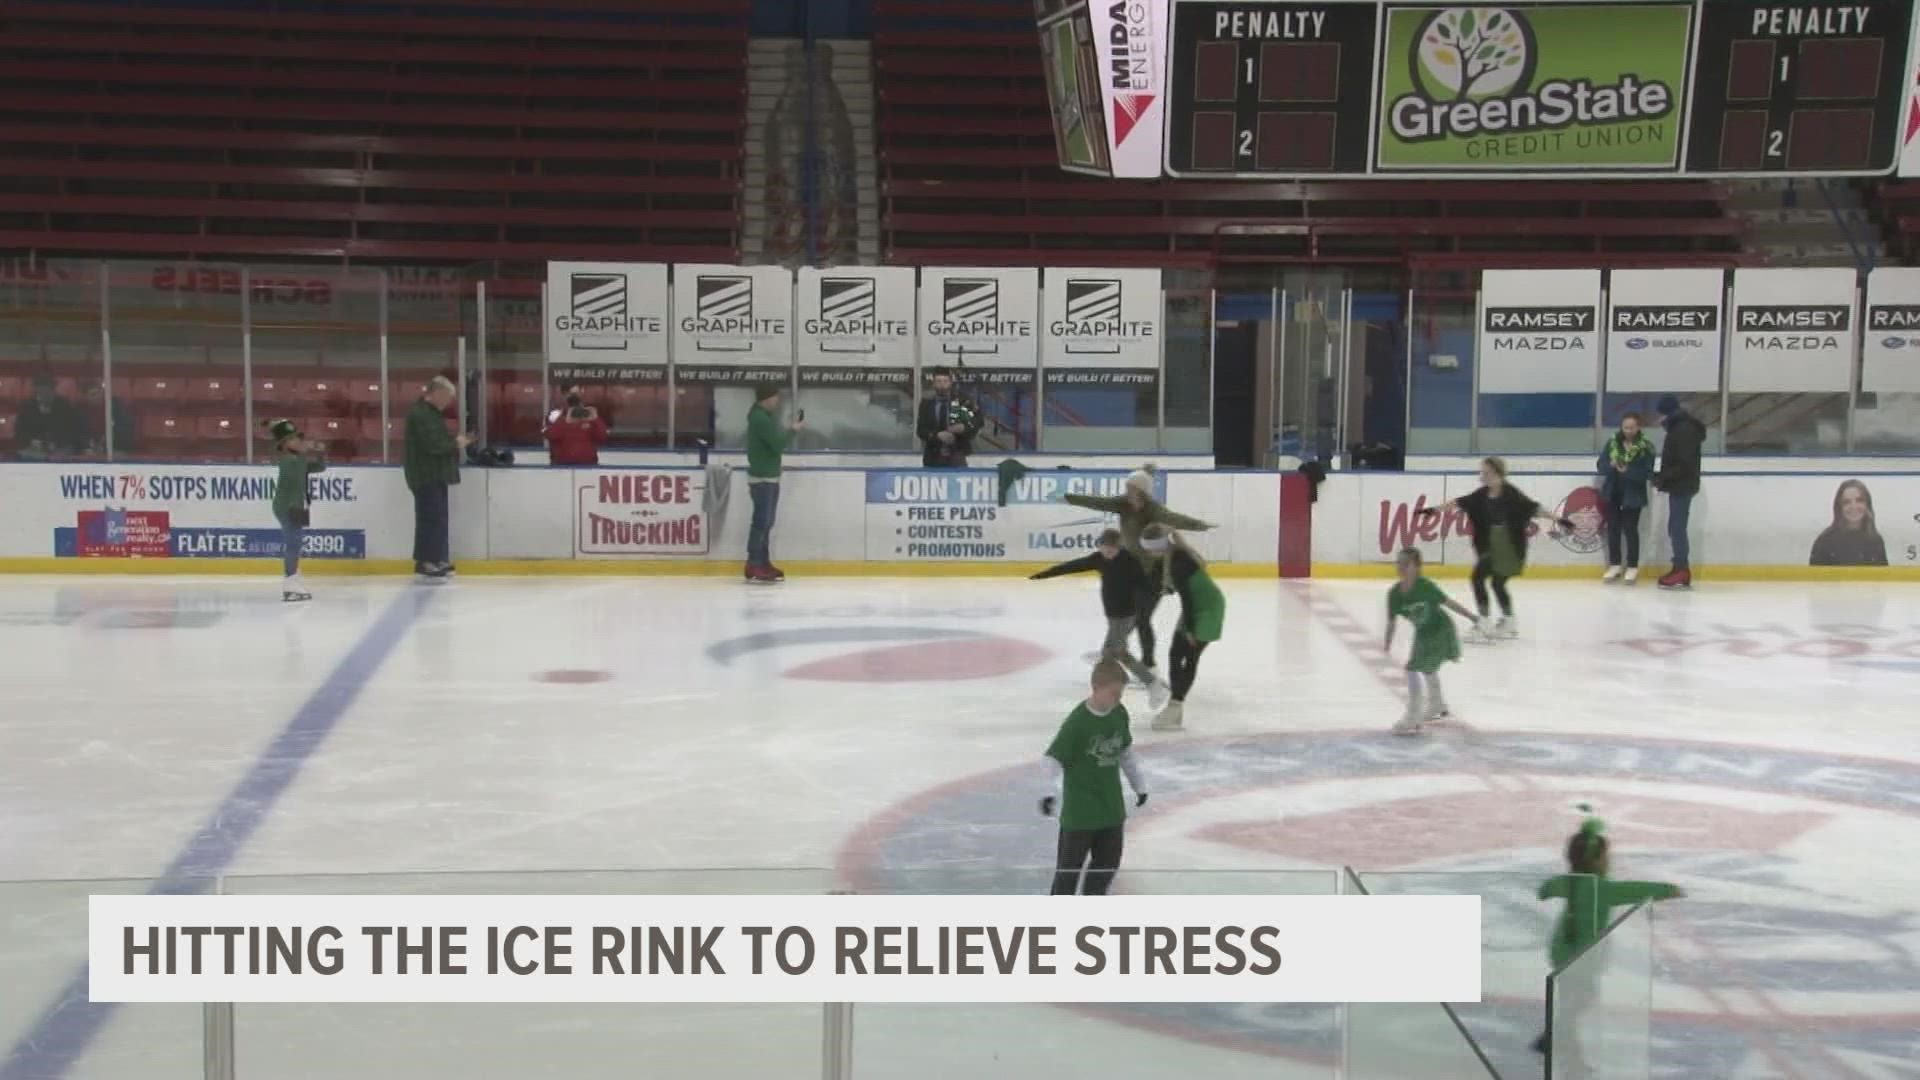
1679	477
766	446
947	424
432	466
1625	466
574	433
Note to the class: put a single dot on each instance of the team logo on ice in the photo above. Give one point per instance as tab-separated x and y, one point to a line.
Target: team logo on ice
1766	841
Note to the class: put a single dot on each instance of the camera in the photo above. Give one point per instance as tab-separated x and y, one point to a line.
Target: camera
575	410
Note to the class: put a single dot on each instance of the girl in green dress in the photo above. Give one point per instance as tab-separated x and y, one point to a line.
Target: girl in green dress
1435	642
1203	614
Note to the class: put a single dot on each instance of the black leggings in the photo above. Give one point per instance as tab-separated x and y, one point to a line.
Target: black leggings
1185	661
1623	523
1095	850
1482	573
1145	601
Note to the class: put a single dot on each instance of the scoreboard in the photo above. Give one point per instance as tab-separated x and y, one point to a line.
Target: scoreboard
1265	89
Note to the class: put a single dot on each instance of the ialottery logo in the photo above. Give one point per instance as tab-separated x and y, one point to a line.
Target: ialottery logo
1792	327
1529	328
1561	85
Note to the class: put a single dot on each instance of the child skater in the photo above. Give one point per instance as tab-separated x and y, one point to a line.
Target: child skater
1590	897
1091	751
1499	514
1121	581
1203	615
1425	605
299	459
1137	509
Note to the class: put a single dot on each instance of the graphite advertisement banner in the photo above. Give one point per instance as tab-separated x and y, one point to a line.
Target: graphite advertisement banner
729	322
1102	327
1663	330
856	324
606	314
1793	330
980	318
1539	331
1130	44
1529	88
1890	347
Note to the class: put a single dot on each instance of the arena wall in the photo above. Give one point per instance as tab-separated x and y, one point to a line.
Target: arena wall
68	518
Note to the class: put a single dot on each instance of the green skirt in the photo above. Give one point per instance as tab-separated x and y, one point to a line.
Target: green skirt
1209	614
1435	644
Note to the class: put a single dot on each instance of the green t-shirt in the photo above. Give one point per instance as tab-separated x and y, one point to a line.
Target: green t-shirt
1088	748
1589	911
1424	605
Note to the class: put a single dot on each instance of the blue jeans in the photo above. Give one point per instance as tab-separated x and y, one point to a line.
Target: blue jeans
290	535
1679	510
766	502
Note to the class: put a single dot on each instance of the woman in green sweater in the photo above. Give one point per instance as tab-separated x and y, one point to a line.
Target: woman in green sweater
1590	897
1138	509
298	459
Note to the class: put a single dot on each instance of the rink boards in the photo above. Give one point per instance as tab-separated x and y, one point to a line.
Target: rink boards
897	520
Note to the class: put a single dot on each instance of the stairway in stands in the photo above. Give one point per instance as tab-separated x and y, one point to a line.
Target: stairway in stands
1803	222
786	94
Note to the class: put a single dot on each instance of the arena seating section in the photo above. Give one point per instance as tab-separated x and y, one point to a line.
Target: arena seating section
1897	203
969	174
486	134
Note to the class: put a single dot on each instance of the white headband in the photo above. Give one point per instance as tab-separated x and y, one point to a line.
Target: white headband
1156	544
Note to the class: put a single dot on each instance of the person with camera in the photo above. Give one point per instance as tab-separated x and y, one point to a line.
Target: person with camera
766	446
574	434
947	424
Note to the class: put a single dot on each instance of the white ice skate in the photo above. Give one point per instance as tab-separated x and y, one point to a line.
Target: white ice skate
1438	713
293	589
1633	575
1408	724
1507	628
1171	718
1612	575
1480	633
1158	693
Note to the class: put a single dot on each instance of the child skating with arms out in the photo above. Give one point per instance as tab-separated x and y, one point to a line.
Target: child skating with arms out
1092	749
1421	602
1591	897
298	459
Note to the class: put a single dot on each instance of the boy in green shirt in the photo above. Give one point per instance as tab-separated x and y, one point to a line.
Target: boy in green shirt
1421	602
1090	752
298	459
766	445
1590	897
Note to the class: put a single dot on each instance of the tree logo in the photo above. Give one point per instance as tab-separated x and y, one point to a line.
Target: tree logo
1472	53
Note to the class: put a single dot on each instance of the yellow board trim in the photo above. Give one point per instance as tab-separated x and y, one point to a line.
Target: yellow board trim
1648	575
555	568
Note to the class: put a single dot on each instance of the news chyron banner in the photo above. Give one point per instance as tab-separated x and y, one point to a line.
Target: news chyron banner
1130	45
1890	350
856	327
984	323
606	322
732	325
1663	330
1539	331
1102	327
1792	331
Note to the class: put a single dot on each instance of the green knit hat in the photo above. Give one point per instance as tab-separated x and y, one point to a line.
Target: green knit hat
281	430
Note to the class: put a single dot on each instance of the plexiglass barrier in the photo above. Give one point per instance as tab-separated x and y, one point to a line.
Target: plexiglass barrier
1600	1006
53	1033
1387	1042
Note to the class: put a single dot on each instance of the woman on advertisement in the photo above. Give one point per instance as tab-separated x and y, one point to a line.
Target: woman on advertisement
1853	539
1625	467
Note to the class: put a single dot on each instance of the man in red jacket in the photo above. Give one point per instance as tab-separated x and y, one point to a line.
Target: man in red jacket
574	434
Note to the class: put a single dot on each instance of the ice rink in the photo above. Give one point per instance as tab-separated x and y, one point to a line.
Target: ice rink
1757	744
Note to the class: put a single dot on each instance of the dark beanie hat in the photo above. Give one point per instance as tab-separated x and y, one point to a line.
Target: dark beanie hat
765	390
1668	405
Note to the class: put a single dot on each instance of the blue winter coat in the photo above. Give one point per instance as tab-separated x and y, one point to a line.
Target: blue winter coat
1630	487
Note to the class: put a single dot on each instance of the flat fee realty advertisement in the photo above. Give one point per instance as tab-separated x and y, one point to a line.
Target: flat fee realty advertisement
1533	87
201	513
915	514
640	512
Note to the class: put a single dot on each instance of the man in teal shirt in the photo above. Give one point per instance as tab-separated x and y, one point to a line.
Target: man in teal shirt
766	444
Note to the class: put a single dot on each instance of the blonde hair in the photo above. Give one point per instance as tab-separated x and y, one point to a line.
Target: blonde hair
1498	465
1108	673
1410	557
441	382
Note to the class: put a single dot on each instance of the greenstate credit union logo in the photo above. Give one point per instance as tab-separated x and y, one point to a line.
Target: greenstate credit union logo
1555	86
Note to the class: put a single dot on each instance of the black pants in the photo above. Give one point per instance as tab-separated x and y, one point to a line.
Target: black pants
1623	524
430	525
1095	850
1185	662
1145	601
1483	573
